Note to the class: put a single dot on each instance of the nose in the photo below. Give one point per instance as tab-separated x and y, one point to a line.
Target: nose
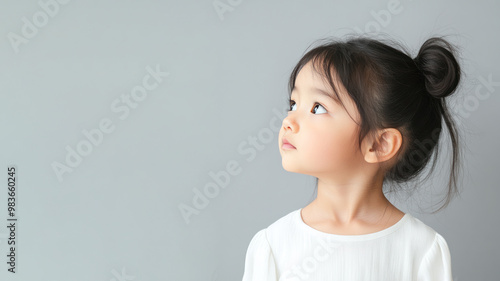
290	124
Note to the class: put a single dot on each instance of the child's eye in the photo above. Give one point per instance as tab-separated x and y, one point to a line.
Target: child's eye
316	105
292	103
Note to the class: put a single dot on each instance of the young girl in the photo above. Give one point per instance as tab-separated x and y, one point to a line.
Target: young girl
362	113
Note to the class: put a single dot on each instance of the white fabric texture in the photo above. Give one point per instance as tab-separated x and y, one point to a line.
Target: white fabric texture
291	250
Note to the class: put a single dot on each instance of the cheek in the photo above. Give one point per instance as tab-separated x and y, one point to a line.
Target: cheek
333	148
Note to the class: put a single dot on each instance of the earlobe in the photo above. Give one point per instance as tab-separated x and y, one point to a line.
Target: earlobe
370	150
371	156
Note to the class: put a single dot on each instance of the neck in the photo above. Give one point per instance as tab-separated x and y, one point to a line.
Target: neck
349	202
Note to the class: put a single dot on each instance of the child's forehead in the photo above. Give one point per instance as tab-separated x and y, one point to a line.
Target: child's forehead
308	78
311	81
311	90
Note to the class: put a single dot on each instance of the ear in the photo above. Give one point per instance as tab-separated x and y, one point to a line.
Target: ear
384	147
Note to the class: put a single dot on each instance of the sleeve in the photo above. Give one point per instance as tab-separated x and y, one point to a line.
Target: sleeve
436	264
259	260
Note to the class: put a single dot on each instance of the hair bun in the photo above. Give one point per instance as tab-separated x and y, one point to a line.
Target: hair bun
436	61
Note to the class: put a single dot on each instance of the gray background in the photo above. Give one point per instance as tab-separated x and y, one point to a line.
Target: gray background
118	210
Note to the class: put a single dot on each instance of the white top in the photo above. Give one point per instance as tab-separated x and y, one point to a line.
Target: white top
291	250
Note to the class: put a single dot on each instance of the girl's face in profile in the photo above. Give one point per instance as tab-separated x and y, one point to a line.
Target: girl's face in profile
322	132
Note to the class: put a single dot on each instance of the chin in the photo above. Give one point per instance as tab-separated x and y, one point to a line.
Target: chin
287	166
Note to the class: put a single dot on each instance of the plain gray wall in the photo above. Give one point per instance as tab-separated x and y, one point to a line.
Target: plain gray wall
69	66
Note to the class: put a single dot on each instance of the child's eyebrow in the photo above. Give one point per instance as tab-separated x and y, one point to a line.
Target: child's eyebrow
317	91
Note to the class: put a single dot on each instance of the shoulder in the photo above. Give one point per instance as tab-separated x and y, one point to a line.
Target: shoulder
263	240
422	235
276	230
285	224
432	251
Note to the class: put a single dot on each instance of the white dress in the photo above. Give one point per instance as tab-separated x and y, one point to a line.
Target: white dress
291	250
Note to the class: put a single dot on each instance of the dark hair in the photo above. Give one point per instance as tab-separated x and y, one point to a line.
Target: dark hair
393	90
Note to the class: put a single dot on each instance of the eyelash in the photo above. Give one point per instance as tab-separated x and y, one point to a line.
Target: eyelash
315	104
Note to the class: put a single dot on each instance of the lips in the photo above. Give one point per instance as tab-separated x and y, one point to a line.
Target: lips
287	144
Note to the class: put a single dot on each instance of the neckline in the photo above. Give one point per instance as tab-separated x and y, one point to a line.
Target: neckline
359	237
